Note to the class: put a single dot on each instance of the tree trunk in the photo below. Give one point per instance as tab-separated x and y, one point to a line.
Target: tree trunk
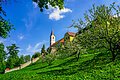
113	56
78	55
112	51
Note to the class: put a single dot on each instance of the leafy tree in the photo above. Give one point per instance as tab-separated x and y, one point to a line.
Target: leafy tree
2	58
5	25
13	59
27	58
2	52
49	50
37	54
2	66
43	50
10	62
45	3
50	58
21	59
13	50
101	29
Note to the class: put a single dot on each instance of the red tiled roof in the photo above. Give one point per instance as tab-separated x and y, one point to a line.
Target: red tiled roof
71	34
7	69
61	41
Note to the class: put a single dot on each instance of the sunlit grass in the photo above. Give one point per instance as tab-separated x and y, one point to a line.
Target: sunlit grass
89	67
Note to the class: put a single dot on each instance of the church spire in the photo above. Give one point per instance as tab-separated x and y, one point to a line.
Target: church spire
52	38
52	32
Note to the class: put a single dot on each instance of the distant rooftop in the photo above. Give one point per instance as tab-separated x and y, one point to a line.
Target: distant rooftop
62	40
71	34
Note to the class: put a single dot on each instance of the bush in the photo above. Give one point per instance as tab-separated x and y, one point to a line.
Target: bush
27	58
2	67
37	54
49	58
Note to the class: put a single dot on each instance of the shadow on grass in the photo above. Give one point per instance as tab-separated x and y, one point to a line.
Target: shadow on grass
99	61
67	62
54	72
40	67
62	64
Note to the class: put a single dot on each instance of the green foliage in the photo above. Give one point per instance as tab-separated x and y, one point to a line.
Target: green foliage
5	28
13	59
11	62
13	50
100	29
94	66
49	58
46	3
27	58
2	58
37	54
49	50
2	52
43	50
98	37
5	25
21	59
2	66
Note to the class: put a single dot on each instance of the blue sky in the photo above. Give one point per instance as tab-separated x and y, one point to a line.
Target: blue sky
33	27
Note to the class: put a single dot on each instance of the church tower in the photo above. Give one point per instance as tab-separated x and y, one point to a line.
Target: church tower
52	38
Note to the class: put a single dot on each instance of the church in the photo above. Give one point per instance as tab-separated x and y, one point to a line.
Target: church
69	36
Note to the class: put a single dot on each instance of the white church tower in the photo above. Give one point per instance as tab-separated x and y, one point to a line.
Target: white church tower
52	38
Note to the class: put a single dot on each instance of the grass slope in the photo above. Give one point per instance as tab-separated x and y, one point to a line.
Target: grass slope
89	67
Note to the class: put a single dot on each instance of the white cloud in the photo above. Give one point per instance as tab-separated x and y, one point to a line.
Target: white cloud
36	47
28	23
35	5
31	18
7	41
40	44
56	13
20	37
28	48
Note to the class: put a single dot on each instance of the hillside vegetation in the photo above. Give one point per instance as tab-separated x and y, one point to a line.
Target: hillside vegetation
94	54
95	66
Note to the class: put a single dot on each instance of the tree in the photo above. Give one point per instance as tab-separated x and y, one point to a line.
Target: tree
13	50
37	54
2	58
43	49
2	66
5	25
21	59
13	59
50	58
27	58
46	3
101	29
2	52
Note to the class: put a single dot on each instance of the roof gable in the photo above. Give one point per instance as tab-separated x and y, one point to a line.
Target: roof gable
71	34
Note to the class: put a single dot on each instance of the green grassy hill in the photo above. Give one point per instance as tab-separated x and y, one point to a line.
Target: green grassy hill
89	67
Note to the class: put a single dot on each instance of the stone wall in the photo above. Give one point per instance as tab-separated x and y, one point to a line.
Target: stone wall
22	65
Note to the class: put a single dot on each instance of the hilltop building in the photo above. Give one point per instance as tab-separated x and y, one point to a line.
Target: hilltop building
52	38
69	36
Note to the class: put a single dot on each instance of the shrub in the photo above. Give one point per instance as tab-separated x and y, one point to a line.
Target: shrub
37	54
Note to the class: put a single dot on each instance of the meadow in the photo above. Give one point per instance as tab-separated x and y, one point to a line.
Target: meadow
97	66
